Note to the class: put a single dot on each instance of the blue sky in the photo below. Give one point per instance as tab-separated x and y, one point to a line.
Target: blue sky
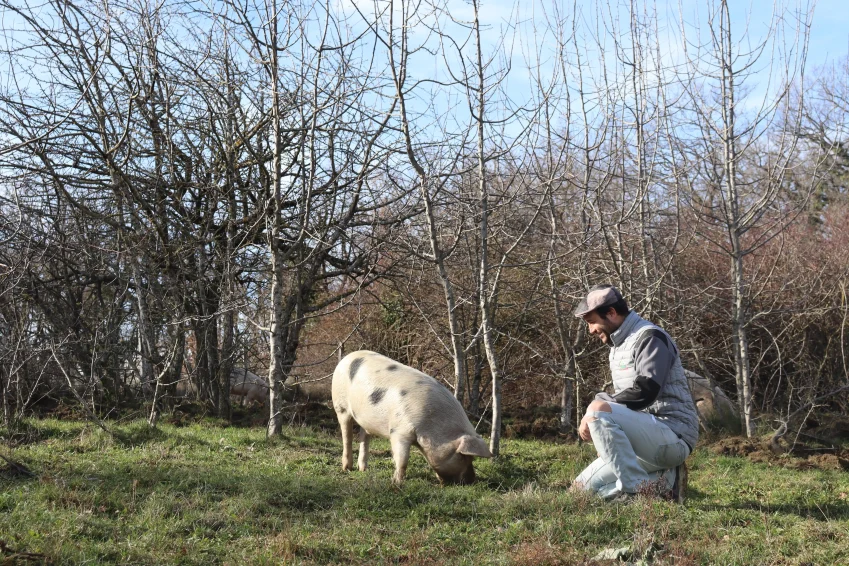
830	32
828	42
829	39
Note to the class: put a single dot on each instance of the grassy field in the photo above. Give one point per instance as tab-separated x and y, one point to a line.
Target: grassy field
206	494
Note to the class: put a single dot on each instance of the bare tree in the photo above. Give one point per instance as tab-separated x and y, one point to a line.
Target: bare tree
748	208
325	132
431	171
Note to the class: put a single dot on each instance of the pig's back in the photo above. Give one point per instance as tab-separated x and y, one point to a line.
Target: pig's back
384	395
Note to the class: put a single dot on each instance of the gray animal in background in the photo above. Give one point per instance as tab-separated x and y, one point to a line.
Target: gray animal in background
249	386
394	401
715	409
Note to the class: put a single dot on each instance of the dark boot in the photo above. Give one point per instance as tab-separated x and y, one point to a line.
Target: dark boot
679	488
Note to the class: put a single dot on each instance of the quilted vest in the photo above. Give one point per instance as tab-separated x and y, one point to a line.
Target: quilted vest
674	405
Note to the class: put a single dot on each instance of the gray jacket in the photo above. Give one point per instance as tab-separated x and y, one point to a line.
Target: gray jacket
648	376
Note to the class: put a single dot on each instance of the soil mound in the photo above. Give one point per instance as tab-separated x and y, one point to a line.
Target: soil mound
801	457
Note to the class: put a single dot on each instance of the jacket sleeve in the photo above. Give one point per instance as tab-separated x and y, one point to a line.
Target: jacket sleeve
654	355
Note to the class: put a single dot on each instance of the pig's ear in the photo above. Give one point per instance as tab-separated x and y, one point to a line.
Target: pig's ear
473	446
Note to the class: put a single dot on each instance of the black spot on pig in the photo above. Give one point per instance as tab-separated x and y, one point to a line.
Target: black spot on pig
391	431
393	367
355	365
377	395
403	393
341	410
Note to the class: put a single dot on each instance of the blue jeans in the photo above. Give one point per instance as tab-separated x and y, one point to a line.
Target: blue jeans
634	449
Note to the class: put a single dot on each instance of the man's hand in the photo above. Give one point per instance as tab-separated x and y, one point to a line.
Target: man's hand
584	429
601	403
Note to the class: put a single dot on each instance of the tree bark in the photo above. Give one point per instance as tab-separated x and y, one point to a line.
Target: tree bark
277	342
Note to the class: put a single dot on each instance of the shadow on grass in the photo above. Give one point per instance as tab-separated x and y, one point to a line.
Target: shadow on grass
24	432
819	512
137	435
15	472
506	475
695	494
184	488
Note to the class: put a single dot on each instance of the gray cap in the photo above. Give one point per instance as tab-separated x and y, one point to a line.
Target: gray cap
597	297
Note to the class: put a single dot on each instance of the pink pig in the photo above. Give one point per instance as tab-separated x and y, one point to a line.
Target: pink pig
394	401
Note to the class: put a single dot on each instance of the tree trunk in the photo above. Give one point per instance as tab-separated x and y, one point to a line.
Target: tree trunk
201	369
566	396
735	230
277	341
228	348
275	370
457	347
146	340
228	351
741	347
475	389
5	381
483	287
210	328
175	372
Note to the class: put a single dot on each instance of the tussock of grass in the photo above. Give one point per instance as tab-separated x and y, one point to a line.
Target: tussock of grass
205	494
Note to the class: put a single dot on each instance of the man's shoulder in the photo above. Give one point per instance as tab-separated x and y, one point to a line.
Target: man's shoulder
635	330
651	333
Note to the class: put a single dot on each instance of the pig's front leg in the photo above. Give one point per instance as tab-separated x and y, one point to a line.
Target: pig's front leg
401	455
364	441
347	425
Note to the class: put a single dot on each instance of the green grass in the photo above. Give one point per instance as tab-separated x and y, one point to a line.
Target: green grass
206	494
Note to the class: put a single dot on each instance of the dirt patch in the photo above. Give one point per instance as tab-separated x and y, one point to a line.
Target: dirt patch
734	446
536	552
802	457
821	462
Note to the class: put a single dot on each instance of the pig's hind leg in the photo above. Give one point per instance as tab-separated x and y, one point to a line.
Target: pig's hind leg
364	442
346	423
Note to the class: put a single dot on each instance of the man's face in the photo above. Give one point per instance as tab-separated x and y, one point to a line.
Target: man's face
599	326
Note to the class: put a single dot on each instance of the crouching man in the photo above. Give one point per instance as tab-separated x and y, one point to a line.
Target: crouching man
648	427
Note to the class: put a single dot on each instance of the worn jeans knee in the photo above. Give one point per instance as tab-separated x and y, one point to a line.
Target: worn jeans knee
599	414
